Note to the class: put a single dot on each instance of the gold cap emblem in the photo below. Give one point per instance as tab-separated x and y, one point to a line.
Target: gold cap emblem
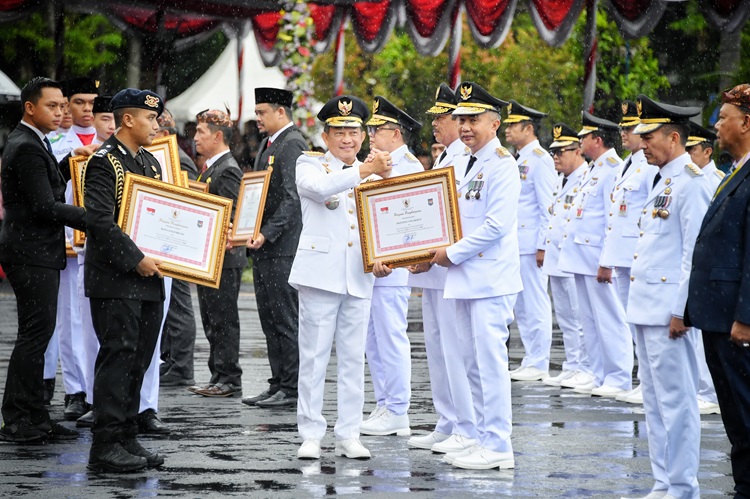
510	107
624	108
375	106
345	107
466	90
437	93
151	101
557	132
639	107
96	83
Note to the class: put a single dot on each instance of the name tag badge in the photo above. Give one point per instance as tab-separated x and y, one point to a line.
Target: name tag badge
623	209
579	212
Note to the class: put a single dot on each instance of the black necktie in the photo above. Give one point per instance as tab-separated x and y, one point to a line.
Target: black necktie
472	160
656	180
49	145
565	181
627	165
442	156
347	166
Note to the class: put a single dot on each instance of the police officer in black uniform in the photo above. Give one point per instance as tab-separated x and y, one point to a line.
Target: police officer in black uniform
124	286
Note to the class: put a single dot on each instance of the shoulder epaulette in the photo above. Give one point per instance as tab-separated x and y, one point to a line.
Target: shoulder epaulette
612	161
720	173
693	170
313	153
102	151
502	152
411	157
539	152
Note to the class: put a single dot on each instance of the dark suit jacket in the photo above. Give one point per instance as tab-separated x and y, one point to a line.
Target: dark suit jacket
187	165
282	216
224	178
111	256
719	291
33	186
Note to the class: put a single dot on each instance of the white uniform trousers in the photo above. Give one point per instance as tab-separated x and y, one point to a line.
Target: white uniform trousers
607	336
565	299
387	349
322	316
69	327
483	332
150	387
706	389
623	288
669	377
534	315
451	393
89	343
51	356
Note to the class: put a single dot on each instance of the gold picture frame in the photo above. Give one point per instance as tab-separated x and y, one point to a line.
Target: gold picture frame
167	153
251	203
402	218
185	230
77	166
198	186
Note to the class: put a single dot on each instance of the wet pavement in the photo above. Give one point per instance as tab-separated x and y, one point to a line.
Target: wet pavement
566	444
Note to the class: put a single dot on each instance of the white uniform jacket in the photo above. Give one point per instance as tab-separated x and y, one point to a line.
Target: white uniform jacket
664	253
584	233
70	142
538	178
562	200
486	261
435	277
404	163
714	175
628	198
329	255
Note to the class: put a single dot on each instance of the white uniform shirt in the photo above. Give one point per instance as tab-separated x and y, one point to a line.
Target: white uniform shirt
70	141
628	197
329	255
486	261
536	170
713	175
664	253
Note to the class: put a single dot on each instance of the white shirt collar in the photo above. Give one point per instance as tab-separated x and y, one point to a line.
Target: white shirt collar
275	136
210	161
35	129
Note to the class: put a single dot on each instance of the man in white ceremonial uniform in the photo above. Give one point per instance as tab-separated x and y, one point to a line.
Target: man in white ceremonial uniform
484	275
628	197
700	147
387	349
569	161
451	394
81	93
538	178
670	222
607	336
334	291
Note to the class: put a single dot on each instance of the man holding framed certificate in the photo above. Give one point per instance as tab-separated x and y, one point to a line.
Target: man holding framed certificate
484	274
124	286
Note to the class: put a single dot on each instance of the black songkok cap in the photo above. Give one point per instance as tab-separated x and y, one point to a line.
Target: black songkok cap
81	86
277	96
101	104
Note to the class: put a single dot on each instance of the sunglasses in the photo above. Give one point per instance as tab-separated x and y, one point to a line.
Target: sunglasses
559	152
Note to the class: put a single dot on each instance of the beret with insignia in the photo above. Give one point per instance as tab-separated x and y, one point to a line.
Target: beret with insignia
593	124
473	99
344	111
518	113
445	100
563	136
384	112
629	114
277	96
140	99
654	115
699	135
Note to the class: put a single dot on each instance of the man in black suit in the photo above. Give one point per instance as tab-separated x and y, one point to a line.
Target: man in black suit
720	283
123	284
274	249
32	253
218	307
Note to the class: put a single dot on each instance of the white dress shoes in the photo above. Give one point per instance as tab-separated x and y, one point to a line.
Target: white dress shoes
386	423
376	412
636	394
427	441
654	494
310	449
556	380
485	459
351	448
455	443
528	374
606	391
452	456
586	388
580	378
706	407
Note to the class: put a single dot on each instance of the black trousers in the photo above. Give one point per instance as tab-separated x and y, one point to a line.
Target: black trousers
127	331
178	337
730	370
278	309
221	323
36	300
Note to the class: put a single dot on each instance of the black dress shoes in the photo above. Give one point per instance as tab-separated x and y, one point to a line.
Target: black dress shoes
114	458
278	399
134	447
221	390
254	400
56	431
22	432
85	421
170	379
75	406
149	422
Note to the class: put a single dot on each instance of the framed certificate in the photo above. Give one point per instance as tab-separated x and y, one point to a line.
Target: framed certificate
166	152
69	251
402	218
185	230
250	205
198	186
184	179
77	165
